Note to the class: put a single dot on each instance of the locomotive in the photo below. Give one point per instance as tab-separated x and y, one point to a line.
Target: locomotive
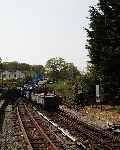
49	101
46	99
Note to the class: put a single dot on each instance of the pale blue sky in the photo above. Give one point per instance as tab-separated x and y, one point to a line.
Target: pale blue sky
32	31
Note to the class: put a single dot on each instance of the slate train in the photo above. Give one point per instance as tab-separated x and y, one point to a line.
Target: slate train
49	101
45	99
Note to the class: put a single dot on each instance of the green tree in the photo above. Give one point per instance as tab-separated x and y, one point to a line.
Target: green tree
0	64
103	45
24	67
11	66
1	75
88	80
39	69
58	69
70	72
54	66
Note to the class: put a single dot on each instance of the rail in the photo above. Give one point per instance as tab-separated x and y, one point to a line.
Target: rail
23	131
40	130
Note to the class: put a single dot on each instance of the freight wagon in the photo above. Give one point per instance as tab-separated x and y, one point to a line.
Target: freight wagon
47	101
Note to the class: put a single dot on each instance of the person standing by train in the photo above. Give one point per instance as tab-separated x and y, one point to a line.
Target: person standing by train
45	90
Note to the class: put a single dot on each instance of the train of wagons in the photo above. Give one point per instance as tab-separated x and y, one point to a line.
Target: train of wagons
45	99
49	101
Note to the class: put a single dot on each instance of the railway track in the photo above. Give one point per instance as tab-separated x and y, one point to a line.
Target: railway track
33	133
19	132
93	137
39	134
63	141
104	132
98	139
84	138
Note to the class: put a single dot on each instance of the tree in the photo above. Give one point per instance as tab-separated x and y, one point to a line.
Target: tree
0	63
39	69
70	72
54	66
11	66
24	67
58	69
0	69
103	45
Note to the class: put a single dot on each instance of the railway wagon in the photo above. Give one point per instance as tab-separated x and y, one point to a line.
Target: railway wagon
47	101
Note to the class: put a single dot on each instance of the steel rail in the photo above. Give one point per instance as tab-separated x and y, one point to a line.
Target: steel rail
83	130
55	133
24	132
91	134
97	129
91	129
40	130
77	142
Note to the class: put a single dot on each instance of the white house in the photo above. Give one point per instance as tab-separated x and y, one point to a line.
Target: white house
8	75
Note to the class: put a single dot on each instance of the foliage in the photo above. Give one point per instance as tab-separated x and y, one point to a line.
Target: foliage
0	59
58	69
13	66
103	45
70	72
53	67
63	88
10	84
39	69
86	82
10	66
27	69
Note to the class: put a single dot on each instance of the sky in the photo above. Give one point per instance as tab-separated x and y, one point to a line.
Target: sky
33	31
